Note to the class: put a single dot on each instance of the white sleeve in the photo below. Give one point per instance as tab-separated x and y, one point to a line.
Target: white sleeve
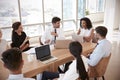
46	35
71	74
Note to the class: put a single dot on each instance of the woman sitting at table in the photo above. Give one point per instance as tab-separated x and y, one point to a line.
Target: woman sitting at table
86	30
76	69
19	38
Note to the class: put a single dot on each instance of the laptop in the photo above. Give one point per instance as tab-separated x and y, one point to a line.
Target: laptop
62	44
43	54
78	38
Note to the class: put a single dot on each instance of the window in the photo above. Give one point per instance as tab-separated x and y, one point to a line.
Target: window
50	25
52	8
69	9
101	5
7	33
8	12
78	25
92	6
95	5
31	11
36	15
33	30
81	8
69	25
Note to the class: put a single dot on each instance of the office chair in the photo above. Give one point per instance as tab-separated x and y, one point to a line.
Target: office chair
40	41
100	69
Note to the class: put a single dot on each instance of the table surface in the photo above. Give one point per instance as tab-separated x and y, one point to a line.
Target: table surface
32	66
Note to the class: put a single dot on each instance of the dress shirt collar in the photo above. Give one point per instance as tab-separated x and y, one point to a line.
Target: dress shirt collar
13	77
100	41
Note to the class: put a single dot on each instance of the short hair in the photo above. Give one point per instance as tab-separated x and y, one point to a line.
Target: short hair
55	19
102	30
88	22
12	58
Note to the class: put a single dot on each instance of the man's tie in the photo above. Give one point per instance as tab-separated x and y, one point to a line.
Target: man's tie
91	52
97	45
55	36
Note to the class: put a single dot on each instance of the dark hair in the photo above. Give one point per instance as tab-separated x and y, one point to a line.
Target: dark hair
16	25
12	58
101	30
88	22
76	50
55	19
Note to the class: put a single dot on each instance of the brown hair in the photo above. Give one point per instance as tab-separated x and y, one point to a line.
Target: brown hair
12	58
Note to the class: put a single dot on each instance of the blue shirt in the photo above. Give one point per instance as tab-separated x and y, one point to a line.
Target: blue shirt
103	49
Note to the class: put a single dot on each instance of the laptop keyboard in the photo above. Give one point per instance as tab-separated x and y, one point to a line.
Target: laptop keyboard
46	58
49	60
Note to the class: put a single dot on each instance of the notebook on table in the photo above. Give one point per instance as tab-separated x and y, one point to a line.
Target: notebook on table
43	54
62	44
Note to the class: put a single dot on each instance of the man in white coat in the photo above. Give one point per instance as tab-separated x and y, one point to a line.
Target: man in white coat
53	33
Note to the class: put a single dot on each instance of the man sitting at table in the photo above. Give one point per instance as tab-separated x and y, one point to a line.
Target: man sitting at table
12	59
53	33
103	48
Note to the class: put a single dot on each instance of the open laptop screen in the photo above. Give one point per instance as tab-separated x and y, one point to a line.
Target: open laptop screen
42	51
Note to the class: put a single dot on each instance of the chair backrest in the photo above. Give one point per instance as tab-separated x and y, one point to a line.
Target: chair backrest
100	68
40	41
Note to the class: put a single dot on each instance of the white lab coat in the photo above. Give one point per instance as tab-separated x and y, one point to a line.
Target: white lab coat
47	34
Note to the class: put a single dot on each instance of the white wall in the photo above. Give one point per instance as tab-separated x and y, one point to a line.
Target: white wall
119	20
96	17
112	14
117	15
119	12
109	14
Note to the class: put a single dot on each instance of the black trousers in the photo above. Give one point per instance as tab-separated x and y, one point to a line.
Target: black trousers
67	66
50	75
27	49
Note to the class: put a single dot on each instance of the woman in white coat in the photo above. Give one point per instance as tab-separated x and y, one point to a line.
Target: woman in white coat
76	69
